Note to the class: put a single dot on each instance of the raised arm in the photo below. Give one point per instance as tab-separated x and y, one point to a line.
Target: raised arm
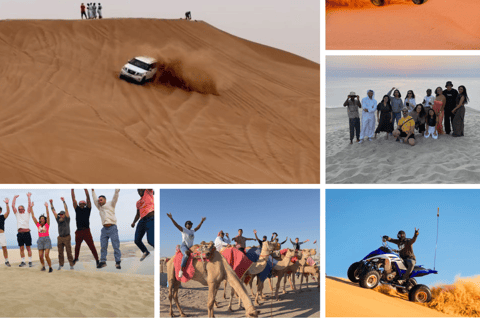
8	208
414	236
256	238
390	92
174	222
48	213
13	204
387	238
53	209
89	204
200	224
292	241
115	197
74	200
284	241
95	199
29	196
33	215
65	206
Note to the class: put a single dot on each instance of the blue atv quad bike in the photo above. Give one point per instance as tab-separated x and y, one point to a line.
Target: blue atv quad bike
385	266
382	2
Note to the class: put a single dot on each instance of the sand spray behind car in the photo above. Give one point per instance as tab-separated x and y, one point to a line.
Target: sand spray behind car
187	69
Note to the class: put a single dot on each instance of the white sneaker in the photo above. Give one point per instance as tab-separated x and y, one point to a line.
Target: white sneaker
180	274
361	141
370	139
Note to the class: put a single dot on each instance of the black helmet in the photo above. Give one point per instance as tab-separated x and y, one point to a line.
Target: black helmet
401	235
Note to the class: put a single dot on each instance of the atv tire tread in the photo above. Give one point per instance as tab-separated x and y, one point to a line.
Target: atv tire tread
364	278
420	288
351	272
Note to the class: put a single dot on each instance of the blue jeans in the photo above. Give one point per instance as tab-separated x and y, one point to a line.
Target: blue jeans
145	225
396	116
112	234
184	248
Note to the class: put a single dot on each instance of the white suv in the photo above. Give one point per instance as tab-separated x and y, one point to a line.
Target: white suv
140	69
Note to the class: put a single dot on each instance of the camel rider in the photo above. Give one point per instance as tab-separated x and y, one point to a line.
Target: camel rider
221	242
260	241
241	240
275	239
296	244
406	252
187	239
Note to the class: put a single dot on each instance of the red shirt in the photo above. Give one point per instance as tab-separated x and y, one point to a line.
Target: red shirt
146	204
82	8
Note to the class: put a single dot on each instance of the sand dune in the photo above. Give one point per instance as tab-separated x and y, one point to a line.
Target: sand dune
400	24
227	111
193	298
445	160
83	292
346	299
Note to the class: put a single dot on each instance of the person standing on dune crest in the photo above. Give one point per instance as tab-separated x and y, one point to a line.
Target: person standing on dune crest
99	10
188	15
64	240
109	230
82	11
94	9
369	105
145	212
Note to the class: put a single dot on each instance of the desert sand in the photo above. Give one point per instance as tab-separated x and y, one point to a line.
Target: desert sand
346	299
226	111
445	160
83	292
193	298
402	25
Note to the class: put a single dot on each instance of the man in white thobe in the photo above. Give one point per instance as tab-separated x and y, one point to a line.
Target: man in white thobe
220	241
369	106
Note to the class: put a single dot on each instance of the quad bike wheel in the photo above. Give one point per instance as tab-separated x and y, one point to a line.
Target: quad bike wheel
370	280
379	2
419	1
411	281
353	272
420	293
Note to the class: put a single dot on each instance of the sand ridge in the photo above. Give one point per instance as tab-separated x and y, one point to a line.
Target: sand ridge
402	25
246	114
445	160
346	299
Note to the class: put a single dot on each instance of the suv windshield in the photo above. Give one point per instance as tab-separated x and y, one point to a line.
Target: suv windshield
140	64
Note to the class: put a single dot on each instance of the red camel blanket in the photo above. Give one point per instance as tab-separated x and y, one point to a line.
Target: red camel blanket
237	260
189	269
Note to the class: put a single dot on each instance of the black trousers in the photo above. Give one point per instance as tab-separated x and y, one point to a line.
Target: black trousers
448	120
354	125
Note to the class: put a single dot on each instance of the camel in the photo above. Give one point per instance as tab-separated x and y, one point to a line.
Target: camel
305	254
256	268
309	270
209	274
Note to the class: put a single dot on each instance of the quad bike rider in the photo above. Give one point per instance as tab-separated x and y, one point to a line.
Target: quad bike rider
406	253
382	2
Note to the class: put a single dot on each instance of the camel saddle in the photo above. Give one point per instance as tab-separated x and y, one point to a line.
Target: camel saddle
198	252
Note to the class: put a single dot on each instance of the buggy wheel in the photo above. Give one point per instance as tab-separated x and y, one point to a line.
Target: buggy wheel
420	293
419	1
378	2
370	280
353	272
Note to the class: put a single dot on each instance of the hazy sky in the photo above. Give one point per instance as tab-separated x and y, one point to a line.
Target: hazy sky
404	66
293	26
290	213
125	211
356	220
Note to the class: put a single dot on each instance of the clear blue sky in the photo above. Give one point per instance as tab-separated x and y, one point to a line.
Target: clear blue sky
125	211
357	219
292	213
293	26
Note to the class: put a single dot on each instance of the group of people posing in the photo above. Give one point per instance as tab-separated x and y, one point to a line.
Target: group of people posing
436	115
91	11
222	240
145	212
